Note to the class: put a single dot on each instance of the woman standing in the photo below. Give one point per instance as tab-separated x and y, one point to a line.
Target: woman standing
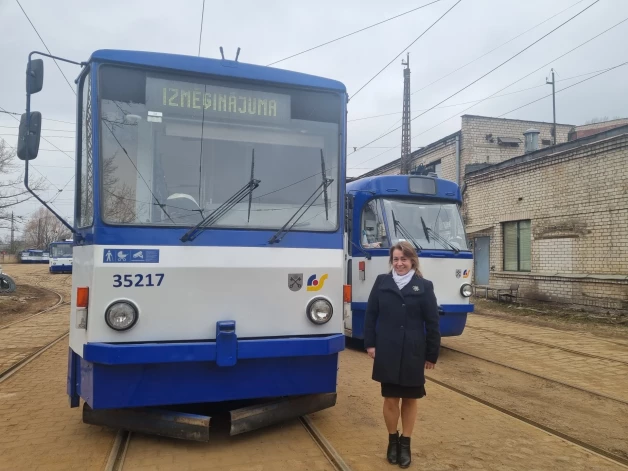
401	334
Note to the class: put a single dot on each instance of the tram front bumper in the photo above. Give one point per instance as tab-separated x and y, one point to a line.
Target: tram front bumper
113	376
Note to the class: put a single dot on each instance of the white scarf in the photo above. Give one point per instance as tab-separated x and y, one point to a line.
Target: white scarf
402	280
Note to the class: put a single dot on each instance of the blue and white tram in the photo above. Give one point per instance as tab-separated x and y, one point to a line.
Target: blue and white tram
208	256
34	256
423	210
60	256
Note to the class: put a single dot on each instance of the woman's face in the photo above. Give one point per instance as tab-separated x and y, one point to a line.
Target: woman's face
401	263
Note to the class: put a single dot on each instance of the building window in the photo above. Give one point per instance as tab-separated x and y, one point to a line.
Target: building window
517	246
434	167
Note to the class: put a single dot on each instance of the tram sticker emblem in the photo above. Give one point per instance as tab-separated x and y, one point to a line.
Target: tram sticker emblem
458	273
314	284
295	281
466	274
130	256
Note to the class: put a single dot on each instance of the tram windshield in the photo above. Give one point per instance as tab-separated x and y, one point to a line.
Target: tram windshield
61	250
174	148
428	225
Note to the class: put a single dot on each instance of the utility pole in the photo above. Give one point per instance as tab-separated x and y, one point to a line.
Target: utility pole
553	84
405	126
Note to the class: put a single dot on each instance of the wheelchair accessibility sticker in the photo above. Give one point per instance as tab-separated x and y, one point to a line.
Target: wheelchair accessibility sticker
130	256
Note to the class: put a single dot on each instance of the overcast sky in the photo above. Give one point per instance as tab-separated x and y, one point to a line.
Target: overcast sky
273	29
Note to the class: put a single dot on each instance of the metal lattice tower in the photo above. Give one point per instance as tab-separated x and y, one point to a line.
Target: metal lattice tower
405	126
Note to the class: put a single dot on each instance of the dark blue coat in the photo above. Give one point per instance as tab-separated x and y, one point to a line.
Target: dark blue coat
403	327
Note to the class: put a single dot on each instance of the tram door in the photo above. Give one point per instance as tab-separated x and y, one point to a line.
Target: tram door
481	260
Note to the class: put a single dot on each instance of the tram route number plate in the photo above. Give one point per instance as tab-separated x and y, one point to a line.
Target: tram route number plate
138	280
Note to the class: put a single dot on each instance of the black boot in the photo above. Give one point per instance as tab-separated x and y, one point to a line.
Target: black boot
405	456
393	445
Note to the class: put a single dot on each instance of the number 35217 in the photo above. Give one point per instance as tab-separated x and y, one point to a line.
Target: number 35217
139	281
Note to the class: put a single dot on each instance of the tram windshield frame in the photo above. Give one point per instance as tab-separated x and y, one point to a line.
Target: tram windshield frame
61	250
424	220
175	147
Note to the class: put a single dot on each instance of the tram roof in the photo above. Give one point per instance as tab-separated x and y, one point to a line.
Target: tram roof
217	67
399	185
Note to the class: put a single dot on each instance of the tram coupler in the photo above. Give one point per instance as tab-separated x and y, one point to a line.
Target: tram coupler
254	417
151	421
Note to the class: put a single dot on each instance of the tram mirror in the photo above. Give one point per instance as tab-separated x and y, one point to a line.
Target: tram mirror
35	77
28	137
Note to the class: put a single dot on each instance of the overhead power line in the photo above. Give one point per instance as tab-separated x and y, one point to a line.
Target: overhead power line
404	49
527	75
64	152
566	88
200	36
487	53
48	119
61	130
475	101
355	32
498	47
486	74
42	41
523	106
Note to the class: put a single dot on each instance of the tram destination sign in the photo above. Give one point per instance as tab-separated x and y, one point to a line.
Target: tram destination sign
187	99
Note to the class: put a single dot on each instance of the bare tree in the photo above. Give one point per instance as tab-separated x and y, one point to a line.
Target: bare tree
12	190
601	120
120	204
43	228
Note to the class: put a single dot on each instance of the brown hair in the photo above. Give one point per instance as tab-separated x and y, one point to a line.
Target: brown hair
408	250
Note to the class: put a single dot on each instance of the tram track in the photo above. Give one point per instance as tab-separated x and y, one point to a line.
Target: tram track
122	441
15	367
521	322
519	370
615	458
549	345
60	302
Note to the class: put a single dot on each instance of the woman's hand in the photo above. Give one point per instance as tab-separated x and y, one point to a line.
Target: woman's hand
429	365
371	352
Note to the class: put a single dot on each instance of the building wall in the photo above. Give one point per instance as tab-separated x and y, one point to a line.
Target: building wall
474	146
445	152
589	129
480	138
8	258
577	201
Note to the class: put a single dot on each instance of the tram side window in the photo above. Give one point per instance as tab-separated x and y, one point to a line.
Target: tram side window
85	206
372	228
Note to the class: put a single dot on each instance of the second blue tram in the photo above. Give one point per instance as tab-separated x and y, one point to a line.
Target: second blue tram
424	211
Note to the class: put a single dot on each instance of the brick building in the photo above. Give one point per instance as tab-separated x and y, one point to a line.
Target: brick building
589	129
481	140
552	219
555	221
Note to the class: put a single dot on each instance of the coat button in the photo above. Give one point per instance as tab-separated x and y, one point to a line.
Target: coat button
403	305
402	327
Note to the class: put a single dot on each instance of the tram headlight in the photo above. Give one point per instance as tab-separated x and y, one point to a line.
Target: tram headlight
466	290
319	311
121	315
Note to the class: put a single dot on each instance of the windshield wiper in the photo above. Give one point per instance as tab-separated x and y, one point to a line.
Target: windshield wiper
438	237
404	232
285	229
221	210
325	188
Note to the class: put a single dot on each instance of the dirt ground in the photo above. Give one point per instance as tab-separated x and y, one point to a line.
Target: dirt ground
23	302
587	417
568	318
